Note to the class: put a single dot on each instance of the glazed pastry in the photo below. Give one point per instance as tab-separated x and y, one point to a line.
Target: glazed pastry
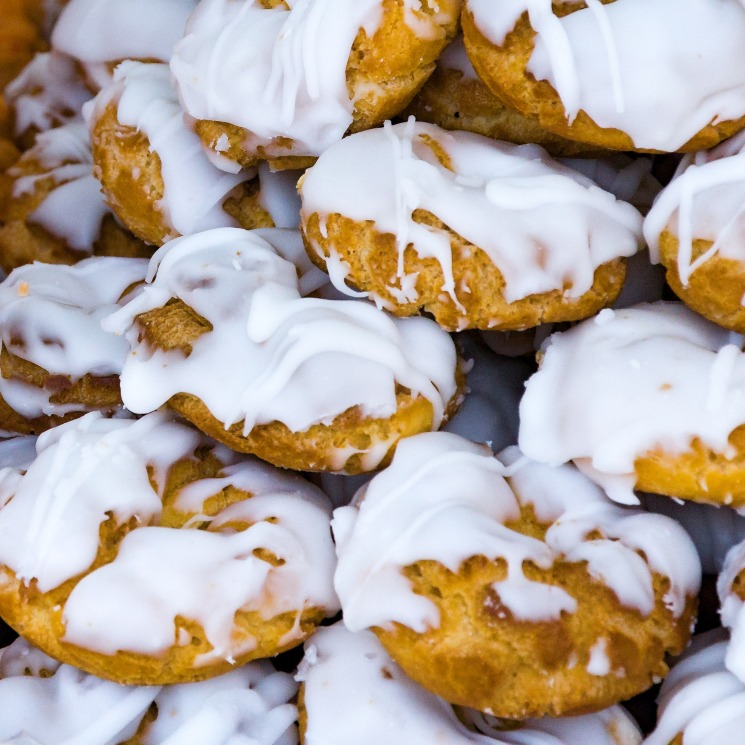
55	212
732	600
282	81
512	587
197	561
646	398
581	72
56	362
695	231
224	336
478	233
352	691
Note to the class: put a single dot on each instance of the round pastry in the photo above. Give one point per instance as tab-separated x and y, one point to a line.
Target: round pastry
648	398
512	587
731	591
478	233
102	33
142	552
55	212
455	98
701	701
224	336
580	71
352	691
283	80
47	93
695	231
56	362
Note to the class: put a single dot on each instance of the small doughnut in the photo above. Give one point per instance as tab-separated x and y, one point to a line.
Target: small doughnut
512	587
353	692
481	234
648	398
55	212
56	362
199	560
456	98
582	72
695	231
102	33
282	81
223	335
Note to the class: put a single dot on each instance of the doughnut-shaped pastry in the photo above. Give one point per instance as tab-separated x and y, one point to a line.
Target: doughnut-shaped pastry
480	234
47	93
455	98
580	71
155	174
649	397
142	552
223	335
56	362
282	80
695	231
56	212
701	702
102	33
512	587
352	691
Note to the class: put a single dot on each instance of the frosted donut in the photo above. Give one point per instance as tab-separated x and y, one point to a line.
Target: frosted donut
55	212
701	702
481	234
223	335
282	80
154	172
454	98
352	691
512	588
47	93
56	362
580	71
695	231
648	398
102	33
195	560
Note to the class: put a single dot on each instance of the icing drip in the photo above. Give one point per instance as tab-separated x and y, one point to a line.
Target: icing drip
75	207
48	92
544	226
659	96
686	376
703	201
279	197
354	692
273	355
446	499
49	533
193	189
731	609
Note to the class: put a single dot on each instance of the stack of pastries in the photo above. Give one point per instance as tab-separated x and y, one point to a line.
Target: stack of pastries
372	371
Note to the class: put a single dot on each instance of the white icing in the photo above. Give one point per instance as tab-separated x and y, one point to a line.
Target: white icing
112	30
273	355
49	533
731	609
544	226
661	92
279	72
628	381
278	196
17	452
445	499
193	189
703	201
454	57
47	92
75	207
354	692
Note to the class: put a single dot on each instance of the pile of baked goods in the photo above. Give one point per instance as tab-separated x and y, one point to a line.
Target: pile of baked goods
345	391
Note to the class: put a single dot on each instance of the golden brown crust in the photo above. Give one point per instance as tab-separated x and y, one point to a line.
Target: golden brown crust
482	657
372	257
503	70
20	38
